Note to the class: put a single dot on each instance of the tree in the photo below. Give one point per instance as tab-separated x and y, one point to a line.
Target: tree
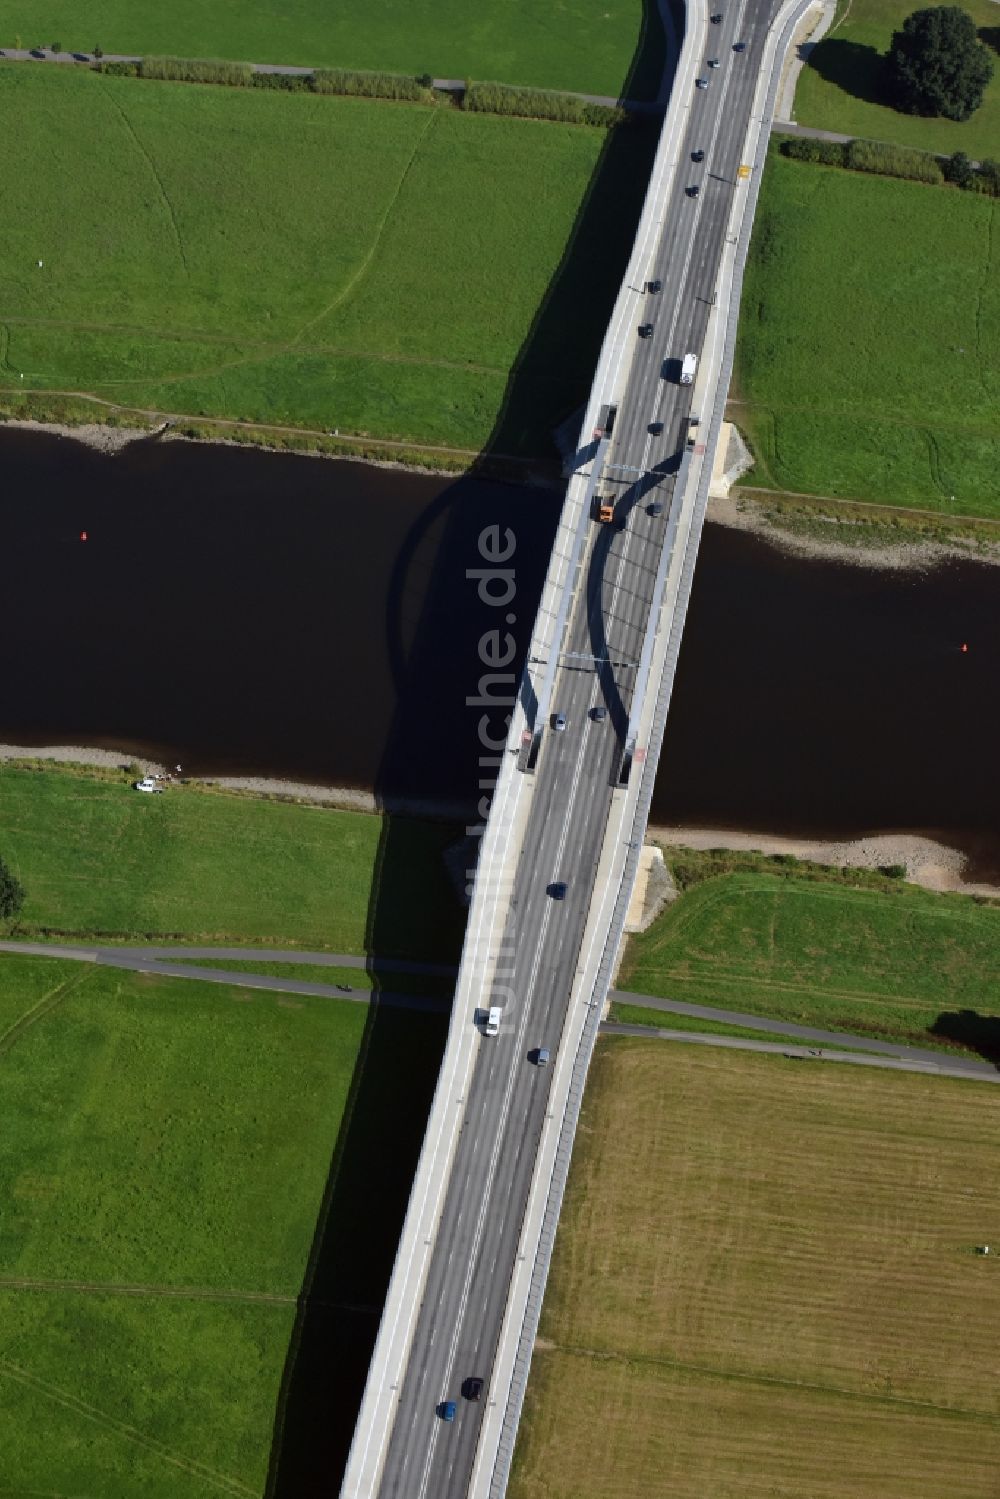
937	65
11	894
958	169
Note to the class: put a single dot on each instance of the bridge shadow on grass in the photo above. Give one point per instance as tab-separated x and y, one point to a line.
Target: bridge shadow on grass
975	1032
474	630
851	67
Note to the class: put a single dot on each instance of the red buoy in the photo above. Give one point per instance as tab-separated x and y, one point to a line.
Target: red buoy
964	648
83	537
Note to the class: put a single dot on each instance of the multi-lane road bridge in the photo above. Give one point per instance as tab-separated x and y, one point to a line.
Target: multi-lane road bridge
570	804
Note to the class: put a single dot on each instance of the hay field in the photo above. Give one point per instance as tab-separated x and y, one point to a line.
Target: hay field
766	1284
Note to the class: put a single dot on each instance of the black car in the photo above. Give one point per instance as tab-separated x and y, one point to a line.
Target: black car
739	46
717	18
655	428
654	286
645	329
713	62
656	508
697	156
599	714
472	1389
557	890
693	190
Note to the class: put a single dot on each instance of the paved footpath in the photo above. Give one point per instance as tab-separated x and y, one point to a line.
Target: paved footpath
164	961
445	85
935	1064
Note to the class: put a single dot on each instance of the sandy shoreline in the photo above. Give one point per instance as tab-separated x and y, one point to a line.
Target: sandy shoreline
932	864
915	553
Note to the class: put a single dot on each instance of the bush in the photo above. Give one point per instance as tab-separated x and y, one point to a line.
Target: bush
194	70
291	83
98	53
11	894
119	69
539	104
893	161
958	169
804	148
370	85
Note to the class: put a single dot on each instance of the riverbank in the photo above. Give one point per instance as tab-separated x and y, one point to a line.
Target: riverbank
932	864
929	862
868	536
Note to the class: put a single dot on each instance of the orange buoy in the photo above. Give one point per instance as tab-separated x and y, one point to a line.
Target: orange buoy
964	648
83	535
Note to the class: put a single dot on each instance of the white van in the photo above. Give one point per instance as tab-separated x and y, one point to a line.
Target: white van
493	1021
688	366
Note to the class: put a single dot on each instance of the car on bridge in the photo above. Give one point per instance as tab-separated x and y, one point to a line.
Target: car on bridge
701	83
559	722
645	330
739	46
693	190
713	62
446	1410
655	428
697	156
557	890
473	1387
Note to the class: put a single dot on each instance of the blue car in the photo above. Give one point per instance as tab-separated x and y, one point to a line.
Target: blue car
446	1410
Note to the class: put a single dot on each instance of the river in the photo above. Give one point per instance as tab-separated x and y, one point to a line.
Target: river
252	613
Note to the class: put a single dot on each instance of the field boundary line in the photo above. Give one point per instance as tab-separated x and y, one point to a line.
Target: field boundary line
42	1007
179	1293
92	1413
984	282
108	94
362	269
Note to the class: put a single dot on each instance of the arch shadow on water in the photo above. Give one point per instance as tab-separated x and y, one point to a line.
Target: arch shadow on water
435	622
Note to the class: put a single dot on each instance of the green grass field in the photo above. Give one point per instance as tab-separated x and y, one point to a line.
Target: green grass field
765	1284
888	964
574	44
839	89
312	261
895	403
97	859
170	1137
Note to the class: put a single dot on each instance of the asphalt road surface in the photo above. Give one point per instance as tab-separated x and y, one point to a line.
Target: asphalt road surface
462	1309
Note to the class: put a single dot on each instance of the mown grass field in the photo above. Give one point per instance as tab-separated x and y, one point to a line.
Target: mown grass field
98	859
577	44
865	369
900	964
313	261
168	1136
765	1283
839	90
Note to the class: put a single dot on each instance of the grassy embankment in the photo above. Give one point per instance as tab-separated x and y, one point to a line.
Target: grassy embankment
586	46
839	90
850	951
766	1283
311	261
98	860
163	1163
895	402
